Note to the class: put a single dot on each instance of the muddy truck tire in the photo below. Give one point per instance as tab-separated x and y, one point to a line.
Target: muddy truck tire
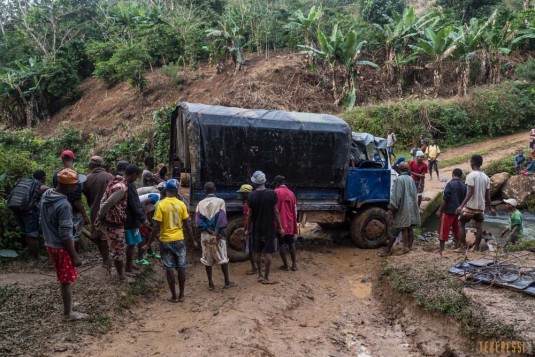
369	228
234	231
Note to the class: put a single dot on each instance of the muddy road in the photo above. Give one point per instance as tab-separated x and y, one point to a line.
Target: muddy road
331	306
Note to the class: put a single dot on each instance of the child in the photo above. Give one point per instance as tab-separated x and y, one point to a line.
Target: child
414	150
530	167
519	160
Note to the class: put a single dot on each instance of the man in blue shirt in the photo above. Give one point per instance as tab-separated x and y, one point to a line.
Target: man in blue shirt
454	194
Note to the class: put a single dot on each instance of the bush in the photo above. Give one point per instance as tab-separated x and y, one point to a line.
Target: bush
490	111
526	70
374	10
505	164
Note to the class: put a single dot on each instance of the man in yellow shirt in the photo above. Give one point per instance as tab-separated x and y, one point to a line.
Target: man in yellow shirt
170	219
433	152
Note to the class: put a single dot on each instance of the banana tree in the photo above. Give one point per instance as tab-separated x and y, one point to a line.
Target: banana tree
469	42
396	35
438	46
341	52
305	24
498	42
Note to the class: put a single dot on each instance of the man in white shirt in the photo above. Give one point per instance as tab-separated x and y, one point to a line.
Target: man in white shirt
473	205
390	142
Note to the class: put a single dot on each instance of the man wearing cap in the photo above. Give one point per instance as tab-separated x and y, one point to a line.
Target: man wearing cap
79	217
473	205
135	217
403	208
211	219
170	218
93	189
57	225
516	228
112	217
263	212
247	238
418	169
287	206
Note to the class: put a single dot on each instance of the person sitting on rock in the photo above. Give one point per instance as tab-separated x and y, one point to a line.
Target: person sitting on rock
530	167
519	161
515	228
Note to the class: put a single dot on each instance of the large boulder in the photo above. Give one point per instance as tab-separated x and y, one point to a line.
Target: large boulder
521	188
497	181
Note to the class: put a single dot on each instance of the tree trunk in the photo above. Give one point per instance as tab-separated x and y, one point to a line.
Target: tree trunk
30	112
464	77
437	78
389	63
527	4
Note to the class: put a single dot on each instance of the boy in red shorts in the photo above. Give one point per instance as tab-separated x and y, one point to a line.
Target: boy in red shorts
454	194
56	220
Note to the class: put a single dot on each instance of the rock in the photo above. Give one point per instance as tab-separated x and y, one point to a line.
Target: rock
470	238
497	181
521	188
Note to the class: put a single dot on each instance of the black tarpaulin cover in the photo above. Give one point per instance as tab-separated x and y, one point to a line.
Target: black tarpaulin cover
226	145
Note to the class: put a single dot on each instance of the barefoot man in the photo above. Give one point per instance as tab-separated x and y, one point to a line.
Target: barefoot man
211	218
56	218
263	212
477	196
404	209
454	194
287	205
170	219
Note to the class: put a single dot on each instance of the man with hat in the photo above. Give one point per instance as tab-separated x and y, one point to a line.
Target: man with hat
403	208
79	217
287	206
516	228
93	189
57	225
418	169
170	219
247	238
112	217
263	212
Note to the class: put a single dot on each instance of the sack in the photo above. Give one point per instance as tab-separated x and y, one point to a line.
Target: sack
24	195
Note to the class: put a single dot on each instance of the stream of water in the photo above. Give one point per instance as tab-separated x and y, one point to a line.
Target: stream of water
492	224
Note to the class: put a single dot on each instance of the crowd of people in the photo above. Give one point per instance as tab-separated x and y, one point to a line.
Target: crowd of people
121	217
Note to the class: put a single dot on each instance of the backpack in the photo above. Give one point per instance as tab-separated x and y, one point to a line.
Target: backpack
24	195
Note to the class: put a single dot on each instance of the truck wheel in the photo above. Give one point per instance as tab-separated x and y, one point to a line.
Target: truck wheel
369	228
234	233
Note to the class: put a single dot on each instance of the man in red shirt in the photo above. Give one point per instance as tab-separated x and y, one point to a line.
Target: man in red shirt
287	206
418	169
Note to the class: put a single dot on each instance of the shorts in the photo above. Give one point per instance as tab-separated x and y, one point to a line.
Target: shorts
264	244
213	253
431	164
420	186
287	239
468	214
390	150
78	224
448	222
29	223
116	242
62	262
132	236
173	254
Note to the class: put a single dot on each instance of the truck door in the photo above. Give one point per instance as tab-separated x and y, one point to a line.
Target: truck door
368	184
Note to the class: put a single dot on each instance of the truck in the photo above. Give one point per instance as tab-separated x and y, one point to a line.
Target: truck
339	178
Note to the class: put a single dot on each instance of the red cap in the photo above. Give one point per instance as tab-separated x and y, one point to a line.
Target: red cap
67	153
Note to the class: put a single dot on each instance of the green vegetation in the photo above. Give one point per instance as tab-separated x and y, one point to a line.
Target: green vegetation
490	111
47	47
505	164
435	290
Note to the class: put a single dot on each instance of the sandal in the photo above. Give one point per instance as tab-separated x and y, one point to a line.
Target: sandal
230	285
269	282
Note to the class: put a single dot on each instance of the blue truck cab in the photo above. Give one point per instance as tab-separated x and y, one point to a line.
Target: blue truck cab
340	178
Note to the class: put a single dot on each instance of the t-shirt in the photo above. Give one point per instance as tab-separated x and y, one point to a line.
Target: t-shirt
454	194
261	204
170	212
515	219
287	205
419	169
432	151
519	159
391	139
481	183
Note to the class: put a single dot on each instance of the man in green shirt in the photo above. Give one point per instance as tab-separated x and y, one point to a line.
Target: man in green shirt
515	222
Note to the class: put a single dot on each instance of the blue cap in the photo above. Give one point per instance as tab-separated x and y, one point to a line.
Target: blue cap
258	178
171	185
154	197
400	160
